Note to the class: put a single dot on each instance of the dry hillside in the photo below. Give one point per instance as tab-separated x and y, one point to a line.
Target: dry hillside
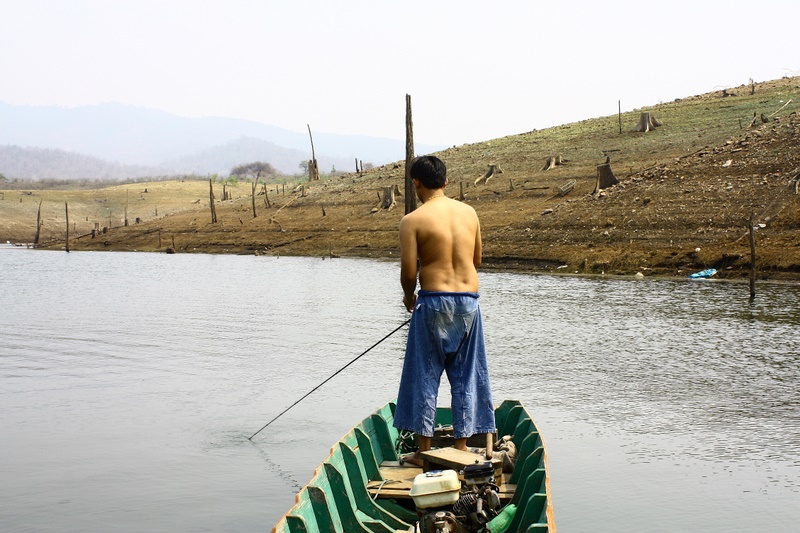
686	190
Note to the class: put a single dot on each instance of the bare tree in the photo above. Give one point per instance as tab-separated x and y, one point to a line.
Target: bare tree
247	170
211	200
313	167
38	224
411	195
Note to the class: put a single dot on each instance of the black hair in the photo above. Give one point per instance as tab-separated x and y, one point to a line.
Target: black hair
430	170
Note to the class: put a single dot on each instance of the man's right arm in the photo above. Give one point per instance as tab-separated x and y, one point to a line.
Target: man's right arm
409	257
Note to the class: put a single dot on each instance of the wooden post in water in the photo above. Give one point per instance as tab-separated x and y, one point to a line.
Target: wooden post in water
751	227
411	194
66	208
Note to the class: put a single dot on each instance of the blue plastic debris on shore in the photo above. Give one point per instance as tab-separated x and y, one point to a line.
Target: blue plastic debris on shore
703	274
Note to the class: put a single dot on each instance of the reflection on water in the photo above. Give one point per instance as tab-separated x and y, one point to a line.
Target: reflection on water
132	381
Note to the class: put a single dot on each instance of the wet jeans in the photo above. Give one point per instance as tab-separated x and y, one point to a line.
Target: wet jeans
446	334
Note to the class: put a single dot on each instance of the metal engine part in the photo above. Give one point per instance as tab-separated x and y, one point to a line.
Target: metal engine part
439	522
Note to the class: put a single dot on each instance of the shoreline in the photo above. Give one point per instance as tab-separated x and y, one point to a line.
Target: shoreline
683	199
489	265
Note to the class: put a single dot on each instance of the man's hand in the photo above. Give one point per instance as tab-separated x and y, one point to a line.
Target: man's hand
410	302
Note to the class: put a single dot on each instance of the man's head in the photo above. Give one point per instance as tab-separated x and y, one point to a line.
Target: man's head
430	171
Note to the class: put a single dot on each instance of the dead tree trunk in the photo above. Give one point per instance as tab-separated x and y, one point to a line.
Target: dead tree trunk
38	224
605	178
313	168
552	162
66	209
493	169
647	122
253	195
751	228
411	193
266	197
211	201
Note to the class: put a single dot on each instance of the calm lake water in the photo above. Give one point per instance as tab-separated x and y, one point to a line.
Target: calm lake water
131	381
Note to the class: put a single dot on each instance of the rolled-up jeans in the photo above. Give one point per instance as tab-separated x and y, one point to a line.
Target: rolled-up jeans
446	334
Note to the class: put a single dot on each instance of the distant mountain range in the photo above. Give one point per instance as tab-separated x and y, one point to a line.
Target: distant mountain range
116	141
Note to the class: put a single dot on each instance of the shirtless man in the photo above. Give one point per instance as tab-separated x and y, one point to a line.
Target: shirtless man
441	242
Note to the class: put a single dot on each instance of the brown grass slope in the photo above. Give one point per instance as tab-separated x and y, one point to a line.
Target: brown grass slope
686	192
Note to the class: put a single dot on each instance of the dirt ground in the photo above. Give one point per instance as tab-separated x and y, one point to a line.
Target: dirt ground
685	194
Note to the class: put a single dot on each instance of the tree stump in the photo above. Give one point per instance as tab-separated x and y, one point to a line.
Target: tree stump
493	169
389	197
647	122
552	161
605	178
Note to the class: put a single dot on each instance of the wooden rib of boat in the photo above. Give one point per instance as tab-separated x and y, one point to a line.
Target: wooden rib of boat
365	486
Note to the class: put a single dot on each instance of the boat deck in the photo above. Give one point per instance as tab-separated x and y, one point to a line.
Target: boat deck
397	477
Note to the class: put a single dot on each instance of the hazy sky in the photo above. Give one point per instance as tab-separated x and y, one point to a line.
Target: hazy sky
475	70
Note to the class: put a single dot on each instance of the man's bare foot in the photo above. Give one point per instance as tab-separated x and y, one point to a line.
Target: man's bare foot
414	459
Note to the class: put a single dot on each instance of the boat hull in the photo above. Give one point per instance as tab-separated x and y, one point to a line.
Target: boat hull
363	485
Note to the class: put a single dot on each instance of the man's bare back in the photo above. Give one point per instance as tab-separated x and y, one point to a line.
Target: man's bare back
444	236
441	242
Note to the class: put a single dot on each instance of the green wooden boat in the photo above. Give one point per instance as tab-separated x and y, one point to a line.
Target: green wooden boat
365	485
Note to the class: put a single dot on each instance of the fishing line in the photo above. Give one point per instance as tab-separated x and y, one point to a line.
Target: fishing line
276	469
395	330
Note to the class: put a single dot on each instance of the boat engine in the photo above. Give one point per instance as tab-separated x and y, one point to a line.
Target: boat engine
444	506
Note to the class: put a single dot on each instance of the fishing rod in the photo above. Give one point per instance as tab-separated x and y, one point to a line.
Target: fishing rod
395	330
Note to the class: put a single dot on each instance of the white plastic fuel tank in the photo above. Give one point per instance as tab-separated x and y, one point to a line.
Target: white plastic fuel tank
436	488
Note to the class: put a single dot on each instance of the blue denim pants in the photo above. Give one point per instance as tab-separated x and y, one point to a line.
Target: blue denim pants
446	334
